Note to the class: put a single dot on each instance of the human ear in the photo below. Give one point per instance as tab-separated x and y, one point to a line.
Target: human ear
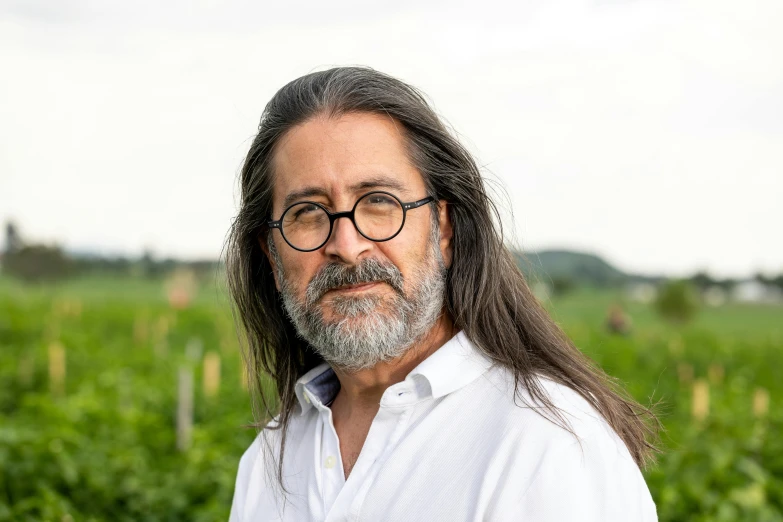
446	233
262	241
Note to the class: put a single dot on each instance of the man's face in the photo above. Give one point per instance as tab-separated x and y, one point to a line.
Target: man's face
334	161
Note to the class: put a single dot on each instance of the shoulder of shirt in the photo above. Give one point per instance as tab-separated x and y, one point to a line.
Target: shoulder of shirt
574	419
251	454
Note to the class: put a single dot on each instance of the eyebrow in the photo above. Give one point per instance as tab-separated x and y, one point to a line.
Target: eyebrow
372	183
303	193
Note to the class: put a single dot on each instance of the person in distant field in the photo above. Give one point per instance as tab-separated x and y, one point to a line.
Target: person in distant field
617	321
415	375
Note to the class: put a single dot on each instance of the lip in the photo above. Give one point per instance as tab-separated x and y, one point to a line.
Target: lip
355	288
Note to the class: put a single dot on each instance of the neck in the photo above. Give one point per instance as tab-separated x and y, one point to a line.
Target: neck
362	390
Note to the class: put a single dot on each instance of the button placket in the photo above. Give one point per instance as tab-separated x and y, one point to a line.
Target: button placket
329	463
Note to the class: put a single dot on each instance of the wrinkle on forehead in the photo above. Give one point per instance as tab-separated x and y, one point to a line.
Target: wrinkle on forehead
373	182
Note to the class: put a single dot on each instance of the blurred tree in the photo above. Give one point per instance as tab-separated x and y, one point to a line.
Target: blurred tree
149	268
764	280
727	284
13	241
562	285
702	280
677	301
37	263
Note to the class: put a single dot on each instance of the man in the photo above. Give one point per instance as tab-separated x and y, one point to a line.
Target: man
416	377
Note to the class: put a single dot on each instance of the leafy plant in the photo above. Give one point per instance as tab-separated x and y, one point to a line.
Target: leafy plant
677	301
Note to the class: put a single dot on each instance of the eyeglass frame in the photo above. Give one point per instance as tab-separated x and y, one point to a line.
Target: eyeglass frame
350	214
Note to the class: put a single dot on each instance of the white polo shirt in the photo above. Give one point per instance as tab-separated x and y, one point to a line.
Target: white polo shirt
449	444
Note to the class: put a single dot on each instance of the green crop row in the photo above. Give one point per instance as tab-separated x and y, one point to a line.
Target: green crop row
90	373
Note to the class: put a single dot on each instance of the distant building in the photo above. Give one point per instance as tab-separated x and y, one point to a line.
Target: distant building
641	292
753	291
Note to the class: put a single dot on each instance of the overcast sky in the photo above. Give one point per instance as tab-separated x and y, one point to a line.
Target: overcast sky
650	132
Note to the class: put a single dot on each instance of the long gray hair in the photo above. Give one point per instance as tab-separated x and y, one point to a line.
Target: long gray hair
486	294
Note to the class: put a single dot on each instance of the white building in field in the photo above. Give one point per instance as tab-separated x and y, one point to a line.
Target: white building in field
641	292
753	291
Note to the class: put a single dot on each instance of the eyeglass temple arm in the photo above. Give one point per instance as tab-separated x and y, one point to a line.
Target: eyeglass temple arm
417	204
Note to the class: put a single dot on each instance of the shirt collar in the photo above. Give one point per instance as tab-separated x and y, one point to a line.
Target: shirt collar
455	364
320	384
452	366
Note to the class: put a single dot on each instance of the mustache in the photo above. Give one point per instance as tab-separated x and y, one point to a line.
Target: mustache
335	275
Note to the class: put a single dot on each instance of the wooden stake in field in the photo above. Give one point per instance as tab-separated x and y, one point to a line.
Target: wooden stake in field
57	368
700	405
211	374
760	402
184	408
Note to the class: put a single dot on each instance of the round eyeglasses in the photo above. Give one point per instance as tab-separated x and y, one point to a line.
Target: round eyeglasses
378	216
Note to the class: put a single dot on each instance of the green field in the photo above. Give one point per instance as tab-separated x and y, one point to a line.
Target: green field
94	437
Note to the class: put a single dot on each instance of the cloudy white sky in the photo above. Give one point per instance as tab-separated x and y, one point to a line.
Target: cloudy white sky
650	132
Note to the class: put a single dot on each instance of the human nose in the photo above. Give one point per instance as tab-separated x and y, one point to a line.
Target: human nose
346	243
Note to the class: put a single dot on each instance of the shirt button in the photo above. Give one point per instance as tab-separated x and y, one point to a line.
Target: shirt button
330	461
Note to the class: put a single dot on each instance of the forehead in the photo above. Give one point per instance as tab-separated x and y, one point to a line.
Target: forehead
334	159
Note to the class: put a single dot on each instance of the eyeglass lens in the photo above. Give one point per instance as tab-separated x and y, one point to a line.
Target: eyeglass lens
377	216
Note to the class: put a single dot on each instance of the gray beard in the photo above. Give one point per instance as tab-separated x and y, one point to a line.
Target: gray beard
369	329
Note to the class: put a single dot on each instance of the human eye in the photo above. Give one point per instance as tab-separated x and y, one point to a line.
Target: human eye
305	212
305	208
380	200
